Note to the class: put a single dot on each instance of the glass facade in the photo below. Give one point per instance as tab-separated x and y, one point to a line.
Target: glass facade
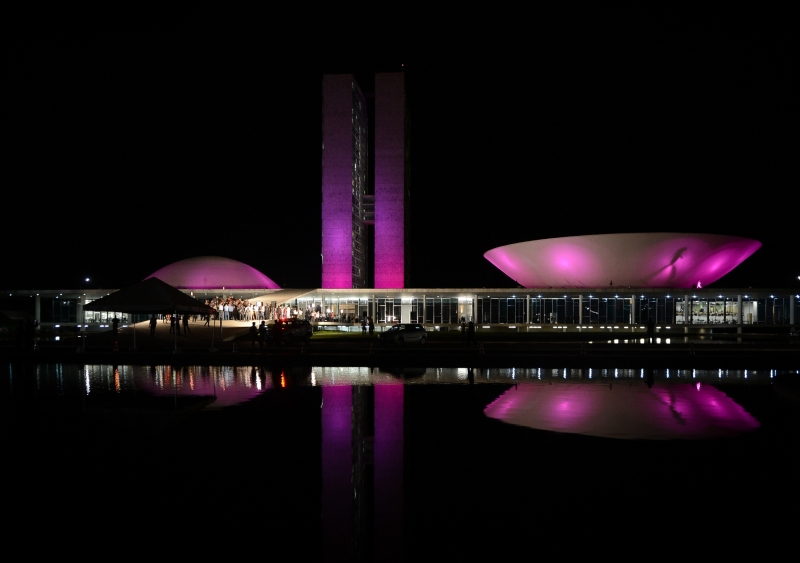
359	187
566	309
773	310
494	308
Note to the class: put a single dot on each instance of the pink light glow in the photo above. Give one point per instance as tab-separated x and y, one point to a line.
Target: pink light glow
389	443
337	465
389	180
664	412
639	260
213	272
337	181
232	388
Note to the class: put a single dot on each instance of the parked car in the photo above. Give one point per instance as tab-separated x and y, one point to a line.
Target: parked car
289	330
405	333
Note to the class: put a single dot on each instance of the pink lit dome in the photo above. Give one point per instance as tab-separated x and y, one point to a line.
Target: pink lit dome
655	260
213	272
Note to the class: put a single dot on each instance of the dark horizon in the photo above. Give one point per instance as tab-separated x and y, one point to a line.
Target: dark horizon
128	160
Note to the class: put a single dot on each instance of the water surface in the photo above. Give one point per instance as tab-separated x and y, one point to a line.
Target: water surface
389	464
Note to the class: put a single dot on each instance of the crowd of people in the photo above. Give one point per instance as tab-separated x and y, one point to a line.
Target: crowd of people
239	309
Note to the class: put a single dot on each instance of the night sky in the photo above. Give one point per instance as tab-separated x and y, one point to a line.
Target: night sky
125	159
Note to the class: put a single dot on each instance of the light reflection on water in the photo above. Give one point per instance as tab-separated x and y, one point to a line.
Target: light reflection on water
610	402
626	410
231	385
619	403
373	442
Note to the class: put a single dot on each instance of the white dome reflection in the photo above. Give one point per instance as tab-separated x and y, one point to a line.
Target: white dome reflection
630	410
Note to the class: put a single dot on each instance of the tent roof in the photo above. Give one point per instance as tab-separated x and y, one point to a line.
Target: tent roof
150	296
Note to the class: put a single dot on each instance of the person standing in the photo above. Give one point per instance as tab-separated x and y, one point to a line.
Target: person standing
262	334
185	324
471	333
363	326
371	326
253	334
115	326
153	322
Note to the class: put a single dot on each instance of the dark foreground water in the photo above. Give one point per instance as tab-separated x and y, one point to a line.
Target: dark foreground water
392	464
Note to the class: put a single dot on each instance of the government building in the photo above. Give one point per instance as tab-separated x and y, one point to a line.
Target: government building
619	306
364	217
603	282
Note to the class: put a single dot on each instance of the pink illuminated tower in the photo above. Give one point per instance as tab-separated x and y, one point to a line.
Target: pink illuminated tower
344	182
352	202
391	195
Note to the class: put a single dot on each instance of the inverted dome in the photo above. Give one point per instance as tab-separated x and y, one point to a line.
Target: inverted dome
213	272
631	412
656	260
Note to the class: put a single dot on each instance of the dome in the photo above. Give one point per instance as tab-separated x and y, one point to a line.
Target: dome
642	260
213	272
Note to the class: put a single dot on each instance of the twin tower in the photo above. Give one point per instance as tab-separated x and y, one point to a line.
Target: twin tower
365	182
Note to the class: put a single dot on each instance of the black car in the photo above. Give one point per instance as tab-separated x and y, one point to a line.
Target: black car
289	330
405	333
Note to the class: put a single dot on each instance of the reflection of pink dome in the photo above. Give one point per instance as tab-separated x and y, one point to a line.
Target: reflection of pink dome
634	259
630	411
213	272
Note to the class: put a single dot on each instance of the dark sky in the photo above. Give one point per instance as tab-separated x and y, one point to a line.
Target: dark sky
124	159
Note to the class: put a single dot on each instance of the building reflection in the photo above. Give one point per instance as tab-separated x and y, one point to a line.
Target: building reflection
362	471
628	409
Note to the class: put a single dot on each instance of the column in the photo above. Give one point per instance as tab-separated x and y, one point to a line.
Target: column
633	310
687	310
405	311
739	319
791	309
528	309
580	309
739	310
37	315
475	308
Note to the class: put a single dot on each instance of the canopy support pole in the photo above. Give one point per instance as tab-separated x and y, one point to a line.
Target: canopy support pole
177	327
213	330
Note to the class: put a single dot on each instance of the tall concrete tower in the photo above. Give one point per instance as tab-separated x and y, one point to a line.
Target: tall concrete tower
344	182
391	195
351	202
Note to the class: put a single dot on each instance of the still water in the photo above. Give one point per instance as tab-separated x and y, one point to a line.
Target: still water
614	403
393	464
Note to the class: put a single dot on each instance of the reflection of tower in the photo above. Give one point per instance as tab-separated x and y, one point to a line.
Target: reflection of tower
348	209
362	471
